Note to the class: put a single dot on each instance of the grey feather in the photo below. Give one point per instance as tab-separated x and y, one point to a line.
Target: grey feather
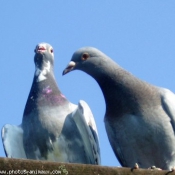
12	138
139	118
50	127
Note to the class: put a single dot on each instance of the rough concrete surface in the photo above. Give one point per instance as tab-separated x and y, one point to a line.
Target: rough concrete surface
23	166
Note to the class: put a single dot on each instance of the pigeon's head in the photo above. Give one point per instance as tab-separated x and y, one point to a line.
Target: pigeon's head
43	55
44	59
87	59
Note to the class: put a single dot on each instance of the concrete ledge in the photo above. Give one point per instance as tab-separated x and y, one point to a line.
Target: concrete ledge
21	166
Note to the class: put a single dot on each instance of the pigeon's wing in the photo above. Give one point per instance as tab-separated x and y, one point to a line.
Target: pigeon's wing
168	103
12	138
114	141
86	124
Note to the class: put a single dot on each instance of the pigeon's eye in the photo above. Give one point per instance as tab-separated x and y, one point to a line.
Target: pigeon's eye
85	56
51	50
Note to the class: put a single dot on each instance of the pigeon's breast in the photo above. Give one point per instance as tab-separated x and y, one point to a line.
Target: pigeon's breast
50	98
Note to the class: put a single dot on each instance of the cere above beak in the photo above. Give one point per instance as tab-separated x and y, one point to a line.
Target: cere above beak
69	67
40	49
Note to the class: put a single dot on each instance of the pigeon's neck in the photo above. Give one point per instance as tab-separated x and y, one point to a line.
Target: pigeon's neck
122	91
44	93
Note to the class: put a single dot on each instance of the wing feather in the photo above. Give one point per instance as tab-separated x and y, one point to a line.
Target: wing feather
12	138
86	124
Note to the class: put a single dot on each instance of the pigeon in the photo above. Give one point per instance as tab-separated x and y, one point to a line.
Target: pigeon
52	129
139	117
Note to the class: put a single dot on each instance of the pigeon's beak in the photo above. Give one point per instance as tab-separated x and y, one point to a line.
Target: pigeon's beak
69	67
40	49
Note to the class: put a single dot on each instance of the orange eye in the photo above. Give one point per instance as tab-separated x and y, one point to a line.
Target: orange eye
85	56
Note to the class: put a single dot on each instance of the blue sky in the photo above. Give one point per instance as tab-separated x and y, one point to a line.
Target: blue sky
138	34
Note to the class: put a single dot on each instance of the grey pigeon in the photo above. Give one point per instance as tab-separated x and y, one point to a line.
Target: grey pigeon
52	128
139	118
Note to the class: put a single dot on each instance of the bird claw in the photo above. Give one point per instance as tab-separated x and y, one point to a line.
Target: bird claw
136	166
154	168
173	169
